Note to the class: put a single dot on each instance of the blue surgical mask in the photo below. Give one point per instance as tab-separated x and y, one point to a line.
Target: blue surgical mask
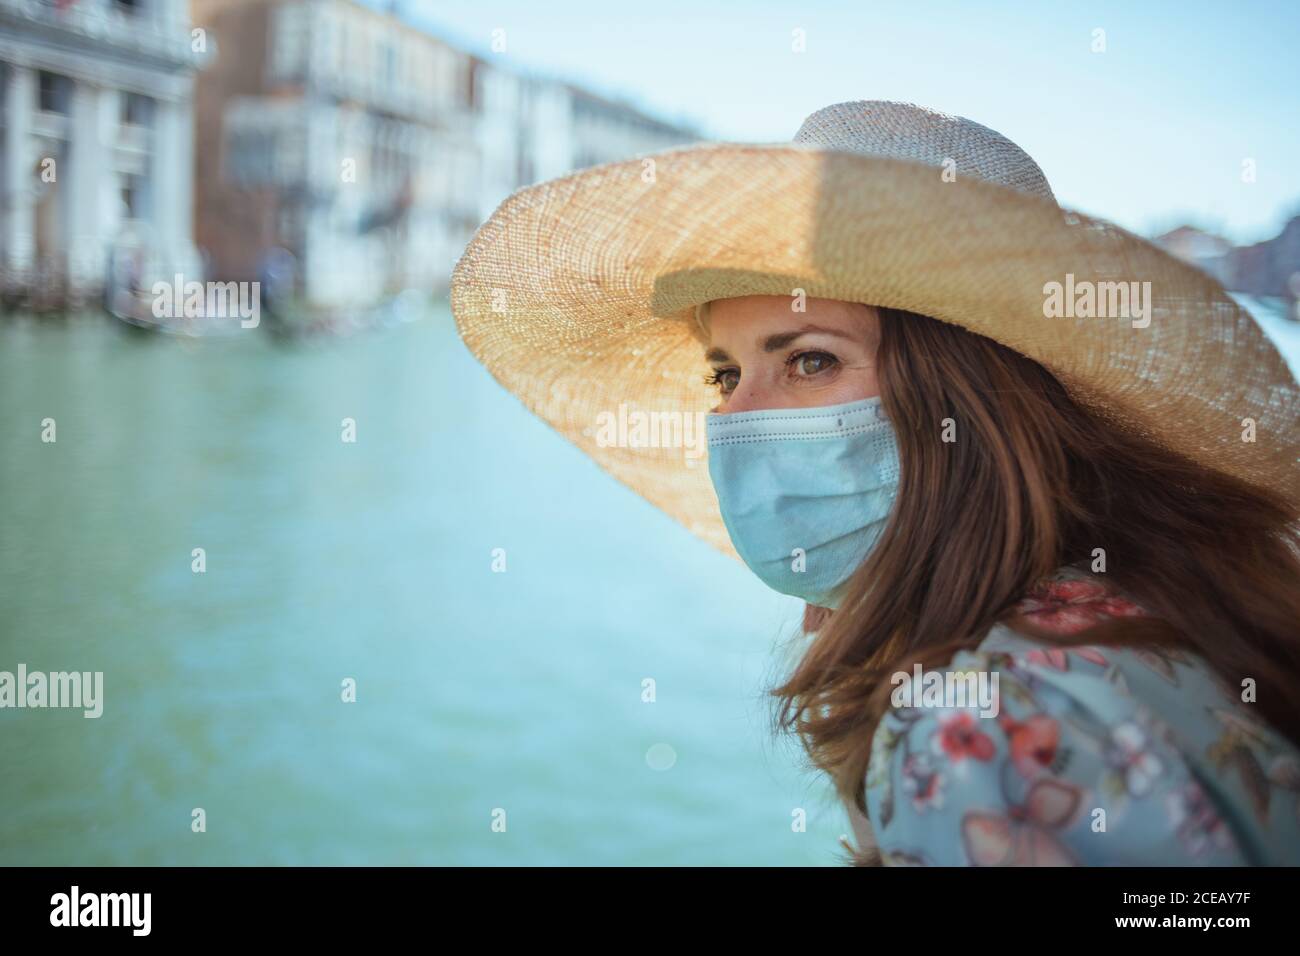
804	492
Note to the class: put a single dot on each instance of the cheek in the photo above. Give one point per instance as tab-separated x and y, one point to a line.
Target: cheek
856	382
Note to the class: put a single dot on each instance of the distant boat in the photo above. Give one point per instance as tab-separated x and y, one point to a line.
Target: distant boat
134	306
299	321
133	270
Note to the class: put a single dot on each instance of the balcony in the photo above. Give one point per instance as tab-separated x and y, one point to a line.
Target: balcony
134	139
50	125
103	26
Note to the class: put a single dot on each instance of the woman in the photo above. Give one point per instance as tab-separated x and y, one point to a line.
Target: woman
1048	549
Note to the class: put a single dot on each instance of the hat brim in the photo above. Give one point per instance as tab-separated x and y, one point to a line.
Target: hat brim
578	295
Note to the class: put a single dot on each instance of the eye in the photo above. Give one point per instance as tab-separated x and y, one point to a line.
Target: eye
726	379
811	363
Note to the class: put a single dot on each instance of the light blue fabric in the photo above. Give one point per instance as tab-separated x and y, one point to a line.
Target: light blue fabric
804	492
1179	768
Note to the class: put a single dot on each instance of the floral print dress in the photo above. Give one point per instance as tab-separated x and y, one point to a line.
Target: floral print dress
1097	756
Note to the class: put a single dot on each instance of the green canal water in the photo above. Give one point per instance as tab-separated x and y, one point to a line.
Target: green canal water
476	692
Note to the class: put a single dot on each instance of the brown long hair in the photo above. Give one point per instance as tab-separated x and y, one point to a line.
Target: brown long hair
1032	482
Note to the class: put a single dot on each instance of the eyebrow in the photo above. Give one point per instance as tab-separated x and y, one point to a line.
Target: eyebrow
778	341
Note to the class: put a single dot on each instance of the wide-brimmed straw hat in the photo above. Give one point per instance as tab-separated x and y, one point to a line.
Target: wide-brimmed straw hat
579	294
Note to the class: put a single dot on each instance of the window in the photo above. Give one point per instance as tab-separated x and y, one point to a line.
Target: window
325	47
250	154
55	92
137	110
289	42
286	227
389	61
135	197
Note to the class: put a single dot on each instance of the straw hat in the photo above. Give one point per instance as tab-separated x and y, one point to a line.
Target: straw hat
579	294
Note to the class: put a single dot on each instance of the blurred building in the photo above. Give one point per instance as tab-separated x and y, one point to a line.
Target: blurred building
1267	269
1270	268
334	143
96	162
342	145
533	129
1205	250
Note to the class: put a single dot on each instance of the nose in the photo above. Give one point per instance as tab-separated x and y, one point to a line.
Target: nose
746	398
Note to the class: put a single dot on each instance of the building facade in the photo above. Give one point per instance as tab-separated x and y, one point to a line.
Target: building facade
96	162
326	148
345	155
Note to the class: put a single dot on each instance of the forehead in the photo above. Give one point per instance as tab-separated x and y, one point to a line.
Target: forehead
727	317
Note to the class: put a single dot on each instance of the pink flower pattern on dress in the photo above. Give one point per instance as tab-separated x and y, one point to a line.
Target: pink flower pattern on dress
959	738
1072	606
1059	657
1083	729
923	782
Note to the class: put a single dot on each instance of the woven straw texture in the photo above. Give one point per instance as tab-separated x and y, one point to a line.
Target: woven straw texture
579	294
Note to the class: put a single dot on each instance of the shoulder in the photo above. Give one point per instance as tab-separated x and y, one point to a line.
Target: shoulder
1021	752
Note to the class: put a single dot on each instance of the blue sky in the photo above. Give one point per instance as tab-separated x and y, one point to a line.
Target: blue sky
1150	133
